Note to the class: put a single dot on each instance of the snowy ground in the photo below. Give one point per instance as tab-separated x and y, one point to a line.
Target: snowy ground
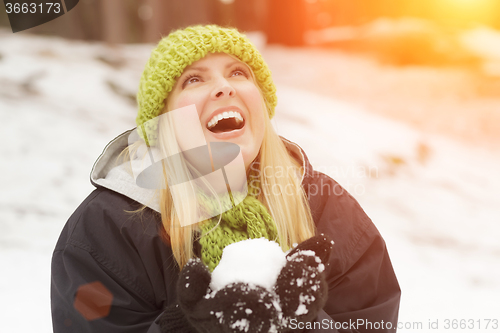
434	199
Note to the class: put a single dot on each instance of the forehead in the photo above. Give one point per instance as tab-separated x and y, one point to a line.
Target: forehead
214	59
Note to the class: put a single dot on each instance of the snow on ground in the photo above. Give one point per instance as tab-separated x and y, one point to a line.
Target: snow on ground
435	200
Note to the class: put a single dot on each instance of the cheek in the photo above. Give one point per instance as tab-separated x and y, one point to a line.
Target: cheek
256	108
251	97
187	99
254	95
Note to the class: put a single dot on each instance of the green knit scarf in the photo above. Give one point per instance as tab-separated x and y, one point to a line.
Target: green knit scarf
248	219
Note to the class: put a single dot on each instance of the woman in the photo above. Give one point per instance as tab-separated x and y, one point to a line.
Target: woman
116	265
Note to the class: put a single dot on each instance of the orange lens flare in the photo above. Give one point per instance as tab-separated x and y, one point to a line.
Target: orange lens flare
467	11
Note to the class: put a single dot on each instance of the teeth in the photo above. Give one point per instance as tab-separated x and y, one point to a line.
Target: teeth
224	115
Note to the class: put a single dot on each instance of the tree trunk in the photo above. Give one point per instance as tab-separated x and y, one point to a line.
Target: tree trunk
115	27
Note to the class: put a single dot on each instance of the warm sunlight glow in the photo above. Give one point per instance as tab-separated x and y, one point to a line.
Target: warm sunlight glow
466	1
465	11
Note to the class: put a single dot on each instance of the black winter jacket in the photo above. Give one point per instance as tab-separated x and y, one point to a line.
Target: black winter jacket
111	271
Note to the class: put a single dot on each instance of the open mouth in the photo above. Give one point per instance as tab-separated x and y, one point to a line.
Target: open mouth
226	122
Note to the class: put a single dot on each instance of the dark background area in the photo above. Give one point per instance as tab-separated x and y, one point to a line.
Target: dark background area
283	21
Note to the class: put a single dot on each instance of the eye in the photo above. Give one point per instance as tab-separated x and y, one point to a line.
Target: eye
192	78
238	71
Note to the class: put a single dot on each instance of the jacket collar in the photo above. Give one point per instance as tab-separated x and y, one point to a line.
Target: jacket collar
299	155
117	177
108	173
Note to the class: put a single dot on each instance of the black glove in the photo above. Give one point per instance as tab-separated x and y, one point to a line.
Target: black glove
299	294
301	286
230	309
173	320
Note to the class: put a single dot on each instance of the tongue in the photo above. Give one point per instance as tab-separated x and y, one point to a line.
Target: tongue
226	125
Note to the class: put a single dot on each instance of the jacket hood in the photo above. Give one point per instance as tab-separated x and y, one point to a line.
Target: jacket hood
107	173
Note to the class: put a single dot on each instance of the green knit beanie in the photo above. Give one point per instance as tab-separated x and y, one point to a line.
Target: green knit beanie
180	49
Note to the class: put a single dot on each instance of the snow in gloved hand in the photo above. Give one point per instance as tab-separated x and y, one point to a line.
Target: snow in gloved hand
253	261
256	287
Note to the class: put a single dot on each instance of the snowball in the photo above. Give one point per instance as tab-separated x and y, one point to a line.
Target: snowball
253	261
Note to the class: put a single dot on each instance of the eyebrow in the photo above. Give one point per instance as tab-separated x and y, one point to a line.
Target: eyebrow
204	69
201	69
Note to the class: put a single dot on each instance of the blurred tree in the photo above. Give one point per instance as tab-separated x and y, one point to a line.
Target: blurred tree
121	21
83	22
160	17
286	22
150	11
187	12
224	12
4	19
114	21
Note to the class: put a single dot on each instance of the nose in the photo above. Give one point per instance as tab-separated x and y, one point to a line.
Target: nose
223	90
